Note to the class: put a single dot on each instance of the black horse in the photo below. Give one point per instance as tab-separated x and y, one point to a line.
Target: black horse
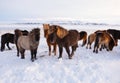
116	35
6	39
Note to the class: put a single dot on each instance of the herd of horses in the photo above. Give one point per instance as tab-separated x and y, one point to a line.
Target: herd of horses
59	36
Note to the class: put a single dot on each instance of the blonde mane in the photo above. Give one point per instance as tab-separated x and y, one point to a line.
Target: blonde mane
61	32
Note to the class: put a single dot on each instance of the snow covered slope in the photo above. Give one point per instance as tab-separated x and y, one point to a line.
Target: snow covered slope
85	67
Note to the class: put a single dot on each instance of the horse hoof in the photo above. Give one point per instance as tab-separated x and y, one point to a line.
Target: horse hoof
22	58
70	57
59	57
35	58
96	52
2	50
32	60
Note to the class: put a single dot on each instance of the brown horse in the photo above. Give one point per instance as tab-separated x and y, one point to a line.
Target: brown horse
6	39
17	34
91	39
64	38
83	36
29	42
48	36
104	39
116	35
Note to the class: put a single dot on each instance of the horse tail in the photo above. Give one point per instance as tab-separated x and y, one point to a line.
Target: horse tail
97	40
82	34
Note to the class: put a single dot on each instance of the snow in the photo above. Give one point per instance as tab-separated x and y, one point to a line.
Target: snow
85	67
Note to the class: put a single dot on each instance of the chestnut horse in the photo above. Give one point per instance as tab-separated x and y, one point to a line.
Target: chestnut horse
6	39
83	36
104	39
64	38
48	36
29	42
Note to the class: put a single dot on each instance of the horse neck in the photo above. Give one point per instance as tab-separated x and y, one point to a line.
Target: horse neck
45	33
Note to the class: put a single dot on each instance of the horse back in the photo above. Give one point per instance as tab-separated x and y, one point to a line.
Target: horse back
8	37
72	38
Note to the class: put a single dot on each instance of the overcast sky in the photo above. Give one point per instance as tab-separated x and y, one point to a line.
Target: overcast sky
15	10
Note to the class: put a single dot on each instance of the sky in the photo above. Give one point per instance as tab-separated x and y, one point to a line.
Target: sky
25	10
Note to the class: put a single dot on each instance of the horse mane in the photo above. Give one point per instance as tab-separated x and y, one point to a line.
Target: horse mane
17	32
35	33
35	30
61	32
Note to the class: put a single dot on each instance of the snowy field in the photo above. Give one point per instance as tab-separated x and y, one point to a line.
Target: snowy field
85	67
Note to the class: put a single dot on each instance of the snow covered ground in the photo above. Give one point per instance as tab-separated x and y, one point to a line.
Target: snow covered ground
85	67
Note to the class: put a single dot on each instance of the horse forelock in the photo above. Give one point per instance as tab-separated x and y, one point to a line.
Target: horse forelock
46	26
35	35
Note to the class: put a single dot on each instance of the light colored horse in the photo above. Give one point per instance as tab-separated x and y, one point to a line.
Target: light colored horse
29	42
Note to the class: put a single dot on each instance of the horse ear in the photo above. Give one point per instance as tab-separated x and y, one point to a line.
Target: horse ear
46	26
61	32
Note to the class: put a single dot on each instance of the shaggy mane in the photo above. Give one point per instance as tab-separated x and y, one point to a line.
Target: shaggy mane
61	32
18	32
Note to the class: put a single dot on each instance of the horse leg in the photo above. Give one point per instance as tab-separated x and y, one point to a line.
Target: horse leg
107	47
84	42
68	52
32	57
8	46
90	46
73	49
35	52
95	48
60	52
22	51
54	49
17	50
49	49
87	46
2	46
